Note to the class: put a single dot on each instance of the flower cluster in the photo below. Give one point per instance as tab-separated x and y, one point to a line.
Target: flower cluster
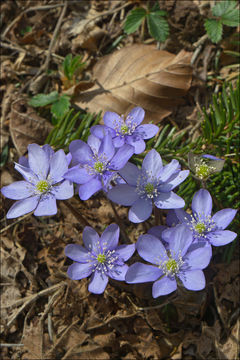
177	252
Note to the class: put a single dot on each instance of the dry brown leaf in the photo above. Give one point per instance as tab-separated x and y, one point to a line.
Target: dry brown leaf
139	75
26	126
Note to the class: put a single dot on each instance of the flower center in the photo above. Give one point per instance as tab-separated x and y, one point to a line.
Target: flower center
42	186
99	167
149	188
200	228
101	258
172	266
203	171
124	129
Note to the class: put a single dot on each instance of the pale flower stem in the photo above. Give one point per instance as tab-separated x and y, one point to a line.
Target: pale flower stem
158	216
120	224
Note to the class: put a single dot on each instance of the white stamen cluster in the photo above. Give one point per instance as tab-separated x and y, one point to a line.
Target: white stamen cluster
200	225
125	127
147	185
203	170
171	267
101	259
98	166
43	187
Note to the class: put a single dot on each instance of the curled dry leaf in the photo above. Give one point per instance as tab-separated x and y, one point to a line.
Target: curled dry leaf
139	75
26	126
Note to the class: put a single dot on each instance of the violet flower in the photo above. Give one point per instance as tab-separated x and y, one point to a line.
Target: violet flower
181	261
96	164
101	258
203	225
153	184
126	131
204	165
43	184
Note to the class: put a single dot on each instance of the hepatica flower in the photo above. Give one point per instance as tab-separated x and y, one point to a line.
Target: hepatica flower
43	184
126	130
101	258
179	262
203	225
153	184
204	165
96	163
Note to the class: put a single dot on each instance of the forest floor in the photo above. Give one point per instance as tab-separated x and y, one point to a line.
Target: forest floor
44	314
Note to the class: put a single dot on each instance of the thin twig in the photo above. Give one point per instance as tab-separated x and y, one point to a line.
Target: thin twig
154	306
77	215
15	222
10	345
120	223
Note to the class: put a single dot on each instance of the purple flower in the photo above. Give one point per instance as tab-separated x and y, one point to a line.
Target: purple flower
101	258
180	261
96	164
126	131
203	225
204	165
153	184
43	184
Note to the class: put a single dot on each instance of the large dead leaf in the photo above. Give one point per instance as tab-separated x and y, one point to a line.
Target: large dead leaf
139	75
26	126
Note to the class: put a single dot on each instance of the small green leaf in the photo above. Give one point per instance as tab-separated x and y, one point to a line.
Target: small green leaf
158	27
44	99
61	107
231	18
214	29
222	7
133	20
4	156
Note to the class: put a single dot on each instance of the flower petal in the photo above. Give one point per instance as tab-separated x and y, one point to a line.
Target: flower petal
18	190
179	239
164	286
77	253
157	231
223	218
48	150
118	141
182	216
106	148
140	211
169	170
118	272
175	182
23	161
136	115
78	271
172	219
78	175
199	258
110	237
23	207
221	237
38	161
98	283
63	191
58	166
193	280
27	173
90	188
152	163
81	152
112	119
90	238
169	200
47	206
123	194
130	173
138	144
141	273
121	157
125	251
151	249
202	203
147	131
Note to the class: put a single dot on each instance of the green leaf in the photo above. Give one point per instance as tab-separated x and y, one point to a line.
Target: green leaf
214	29
44	99
133	20
66	65
222	7
231	18
61	107
157	27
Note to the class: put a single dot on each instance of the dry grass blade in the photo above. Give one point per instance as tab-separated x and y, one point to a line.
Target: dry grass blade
139	75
